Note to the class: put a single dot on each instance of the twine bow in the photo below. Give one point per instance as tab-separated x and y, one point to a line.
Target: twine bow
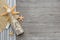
11	10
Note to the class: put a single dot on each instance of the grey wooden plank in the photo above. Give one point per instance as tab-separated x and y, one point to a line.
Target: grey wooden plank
42	19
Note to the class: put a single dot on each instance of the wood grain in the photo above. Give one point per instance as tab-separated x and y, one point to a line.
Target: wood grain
41	19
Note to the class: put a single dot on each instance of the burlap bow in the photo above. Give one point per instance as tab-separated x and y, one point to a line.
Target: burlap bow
11	10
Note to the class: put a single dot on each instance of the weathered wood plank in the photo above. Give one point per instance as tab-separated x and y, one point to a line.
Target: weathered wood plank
42	19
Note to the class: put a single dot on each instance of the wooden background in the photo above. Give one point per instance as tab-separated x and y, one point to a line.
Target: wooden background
42	19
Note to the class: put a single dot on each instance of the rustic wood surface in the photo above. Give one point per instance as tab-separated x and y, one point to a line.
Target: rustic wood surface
42	19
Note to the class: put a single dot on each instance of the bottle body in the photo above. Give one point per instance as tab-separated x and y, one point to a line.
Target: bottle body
16	26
